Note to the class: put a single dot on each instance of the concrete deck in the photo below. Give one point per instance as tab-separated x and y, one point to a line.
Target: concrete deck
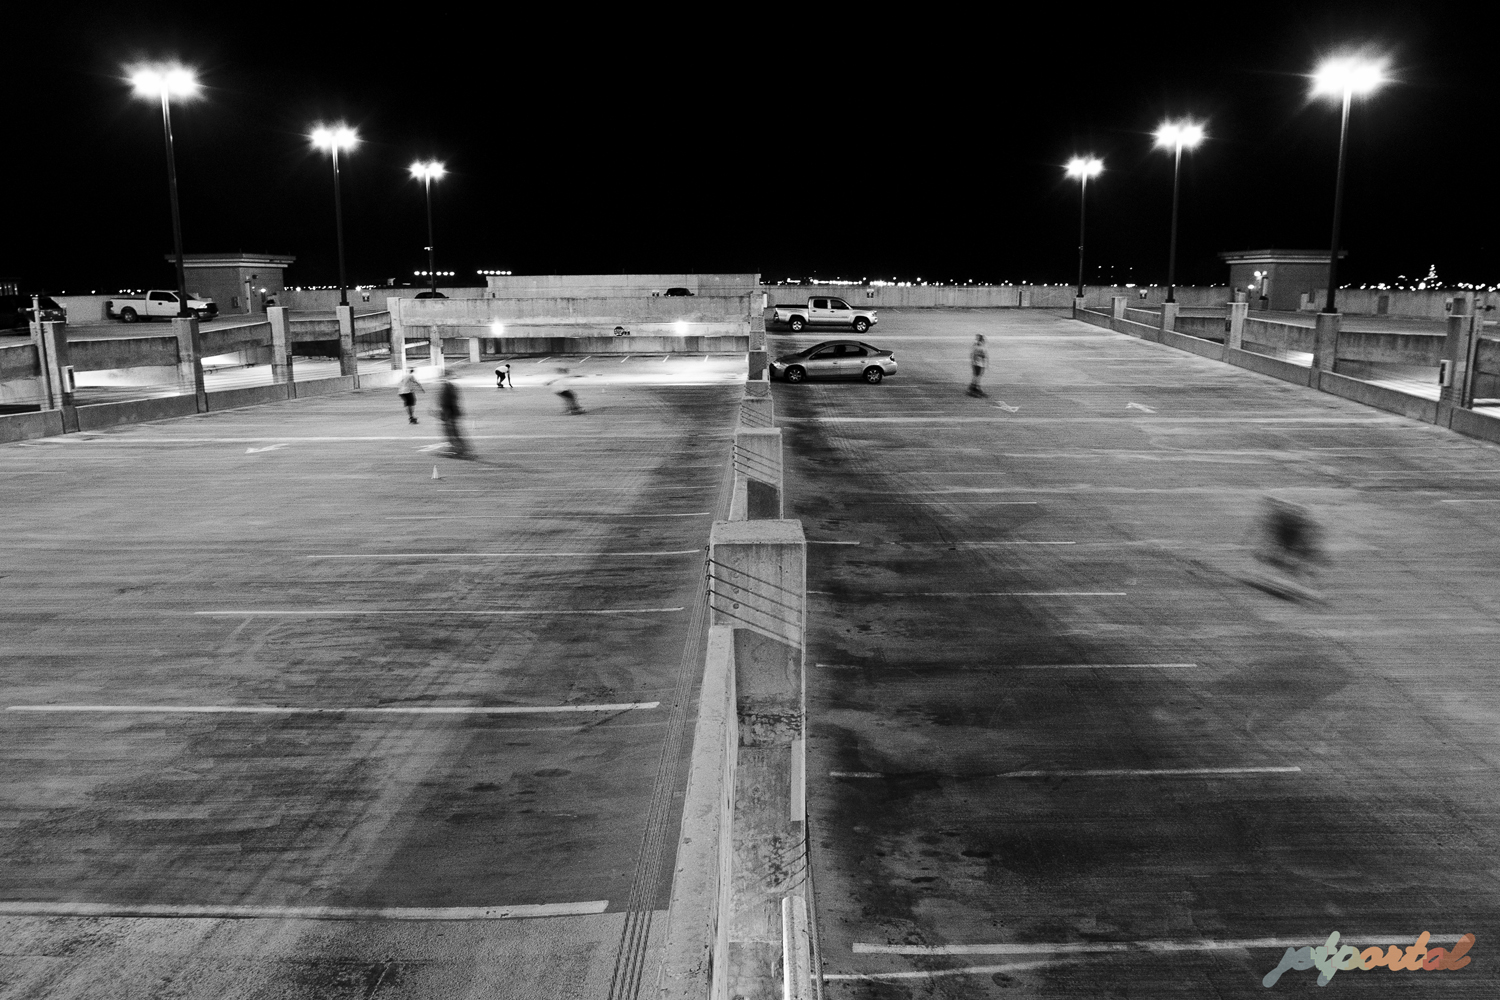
366	729
1066	741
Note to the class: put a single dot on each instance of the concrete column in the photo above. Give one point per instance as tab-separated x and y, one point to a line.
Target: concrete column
1024	300
1458	351
1326	341
190	358
398	334
281	344
348	356
1235	337
474	350
1169	317
758	471
757	581
1117	306
51	343
435	347
1078	305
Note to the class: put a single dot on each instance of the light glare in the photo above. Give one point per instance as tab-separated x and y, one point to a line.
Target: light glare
430	170
153	81
1179	135
1349	75
334	137
1085	168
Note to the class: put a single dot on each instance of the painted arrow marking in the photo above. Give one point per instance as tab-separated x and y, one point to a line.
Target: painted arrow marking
1007	408
1138	406
269	447
432	447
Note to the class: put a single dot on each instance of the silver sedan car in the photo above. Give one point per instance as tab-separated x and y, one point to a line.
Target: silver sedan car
836	359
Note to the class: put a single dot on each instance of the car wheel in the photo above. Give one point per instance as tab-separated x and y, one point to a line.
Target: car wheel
873	375
797	324
861	325
796	373
128	315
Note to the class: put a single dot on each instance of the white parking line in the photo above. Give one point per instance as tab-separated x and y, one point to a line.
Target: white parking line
519	911
988	593
432	612
627	706
1162	772
507	517
501	555
1104	666
811	541
1104	947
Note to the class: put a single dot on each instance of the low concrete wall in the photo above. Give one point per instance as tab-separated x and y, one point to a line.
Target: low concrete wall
18	361
993	296
1203	327
228	399
1380	397
234	339
323	386
1435	303
1194	345
1279	335
327	299
604	313
525	286
26	426
123	352
1274	367
135	411
1392	348
593	345
1474	424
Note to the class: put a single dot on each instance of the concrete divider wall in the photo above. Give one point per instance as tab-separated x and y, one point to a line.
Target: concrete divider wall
1432	303
135	411
1380	397
601	312
992	296
122	352
588	345
327	299
18	361
228	399
26	426
525	286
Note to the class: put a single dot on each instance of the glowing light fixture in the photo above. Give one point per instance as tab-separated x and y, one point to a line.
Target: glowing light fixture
427	172
334	138
1343	77
164	82
1083	167
1176	136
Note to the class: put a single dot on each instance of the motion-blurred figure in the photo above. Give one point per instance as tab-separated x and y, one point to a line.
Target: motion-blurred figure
449	412
570	401
1291	540
979	360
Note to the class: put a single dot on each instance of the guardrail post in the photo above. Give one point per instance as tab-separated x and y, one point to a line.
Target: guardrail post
1117	306
398	333
1168	317
757	357
757	409
1079	305
348	359
757	573
190	358
758	471
1325	342
51	343
1235	331
281	344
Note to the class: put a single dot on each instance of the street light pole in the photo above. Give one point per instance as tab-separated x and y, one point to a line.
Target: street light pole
1083	169
165	82
1344	77
428	172
334	139
1177	137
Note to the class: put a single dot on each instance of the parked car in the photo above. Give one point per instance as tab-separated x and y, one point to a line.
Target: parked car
824	311
674	292
431	295
158	303
15	311
836	359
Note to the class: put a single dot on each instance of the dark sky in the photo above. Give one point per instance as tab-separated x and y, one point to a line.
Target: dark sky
926	141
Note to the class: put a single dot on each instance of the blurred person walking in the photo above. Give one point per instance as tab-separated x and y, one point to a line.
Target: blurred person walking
408	390
449	411
570	401
979	360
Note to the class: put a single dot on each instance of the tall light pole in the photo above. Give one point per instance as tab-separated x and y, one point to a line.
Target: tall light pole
1343	77
1176	136
1083	168
166	82
335	138
427	173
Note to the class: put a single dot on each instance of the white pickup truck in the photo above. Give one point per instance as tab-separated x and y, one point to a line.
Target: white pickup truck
824	311
157	304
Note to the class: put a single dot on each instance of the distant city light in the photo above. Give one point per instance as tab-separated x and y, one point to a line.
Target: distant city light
1346	75
493	272
171	80
440	274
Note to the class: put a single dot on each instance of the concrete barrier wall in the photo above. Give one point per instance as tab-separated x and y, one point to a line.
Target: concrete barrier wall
323	386
26	426
250	337
1392	348
18	361
228	399
1279	335
1435	303
1380	397
992	296
584	345
327	299
1274	367
1474	424
122	352
1204	327
135	411
522	286
601	312
1194	345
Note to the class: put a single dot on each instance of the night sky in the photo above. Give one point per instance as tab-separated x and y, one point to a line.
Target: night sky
854	141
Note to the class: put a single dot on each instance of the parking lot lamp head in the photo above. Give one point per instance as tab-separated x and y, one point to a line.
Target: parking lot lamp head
427	172
163	83
334	138
1176	136
1083	167
1343	77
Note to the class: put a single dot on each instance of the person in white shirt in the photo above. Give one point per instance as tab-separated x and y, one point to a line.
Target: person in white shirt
408	390
979	360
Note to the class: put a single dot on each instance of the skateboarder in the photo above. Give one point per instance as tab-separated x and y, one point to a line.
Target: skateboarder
979	360
408	390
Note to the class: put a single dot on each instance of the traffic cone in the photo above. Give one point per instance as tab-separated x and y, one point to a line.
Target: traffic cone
434	473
